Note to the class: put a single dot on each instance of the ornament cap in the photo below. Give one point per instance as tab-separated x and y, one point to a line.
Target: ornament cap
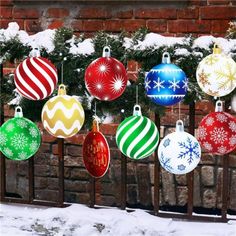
62	89
216	49
166	58
179	126
106	52
137	110
95	127
219	106
34	52
18	112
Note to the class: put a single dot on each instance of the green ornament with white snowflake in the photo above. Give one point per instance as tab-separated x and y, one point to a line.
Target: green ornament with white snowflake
20	138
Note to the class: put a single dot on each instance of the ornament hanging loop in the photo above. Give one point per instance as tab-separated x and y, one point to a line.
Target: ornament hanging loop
219	106
216	49
62	89
18	112
166	58
106	52
34	52
137	110
179	126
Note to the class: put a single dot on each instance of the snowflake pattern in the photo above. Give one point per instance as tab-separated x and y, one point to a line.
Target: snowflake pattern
21	123
221	117
33	146
211	59
166	143
232	126
232	140
174	84
210	121
33	132
158	84
191	150
117	84
22	156
19	141
185	84
221	149
10	127
207	146
165	162
218	135
147	84
3	139
181	167
103	69
8	152
203	78
202	133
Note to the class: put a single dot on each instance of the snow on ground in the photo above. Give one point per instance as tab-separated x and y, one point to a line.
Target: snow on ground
79	220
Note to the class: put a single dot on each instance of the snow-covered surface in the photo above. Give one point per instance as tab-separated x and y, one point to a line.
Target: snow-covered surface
80	220
44	39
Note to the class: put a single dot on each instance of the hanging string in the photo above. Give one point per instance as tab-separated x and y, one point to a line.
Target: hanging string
179	109
62	69
136	94
95	109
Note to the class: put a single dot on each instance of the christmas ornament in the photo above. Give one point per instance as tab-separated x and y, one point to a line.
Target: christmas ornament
19	137
179	152
106	77
166	84
233	103
62	115
217	131
216	74
35	78
137	136
96	152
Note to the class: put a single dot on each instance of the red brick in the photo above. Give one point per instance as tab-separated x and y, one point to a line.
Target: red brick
25	13
124	14
55	24
6	3
189	26
188	13
4	23
220	26
113	25
133	25
132	66
218	2
157	26
77	25
8	112
93	13
32	26
108	129
198	2
6	12
47	138
76	139
218	12
132	76
93	25
165	13
57	12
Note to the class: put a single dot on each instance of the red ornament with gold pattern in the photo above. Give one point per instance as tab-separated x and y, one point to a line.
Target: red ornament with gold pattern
96	152
106	77
217	131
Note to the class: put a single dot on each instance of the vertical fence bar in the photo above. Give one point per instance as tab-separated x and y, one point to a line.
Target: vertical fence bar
2	158
60	142
191	174
92	191
123	181
31	179
156	172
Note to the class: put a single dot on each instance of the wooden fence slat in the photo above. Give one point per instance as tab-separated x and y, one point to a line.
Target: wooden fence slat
61	171
123	181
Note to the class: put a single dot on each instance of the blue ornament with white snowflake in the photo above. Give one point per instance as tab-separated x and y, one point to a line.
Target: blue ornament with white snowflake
179	152
166	84
20	138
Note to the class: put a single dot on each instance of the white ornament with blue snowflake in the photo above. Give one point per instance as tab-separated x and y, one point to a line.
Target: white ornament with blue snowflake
166	84
179	152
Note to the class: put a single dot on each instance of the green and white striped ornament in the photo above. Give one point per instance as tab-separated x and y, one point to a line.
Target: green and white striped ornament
137	136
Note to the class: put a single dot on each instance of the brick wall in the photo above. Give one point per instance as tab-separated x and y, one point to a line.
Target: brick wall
198	17
166	17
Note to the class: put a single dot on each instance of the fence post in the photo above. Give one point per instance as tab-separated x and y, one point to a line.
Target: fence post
31	179
156	172
123	181
92	191
60	142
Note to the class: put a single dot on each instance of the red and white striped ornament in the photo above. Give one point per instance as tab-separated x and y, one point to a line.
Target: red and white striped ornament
35	78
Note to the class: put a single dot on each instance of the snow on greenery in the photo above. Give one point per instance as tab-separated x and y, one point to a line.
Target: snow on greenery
80	220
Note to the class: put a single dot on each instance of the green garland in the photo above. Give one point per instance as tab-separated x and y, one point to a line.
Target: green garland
12	50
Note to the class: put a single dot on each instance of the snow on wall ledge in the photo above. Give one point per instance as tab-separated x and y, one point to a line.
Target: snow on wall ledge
44	39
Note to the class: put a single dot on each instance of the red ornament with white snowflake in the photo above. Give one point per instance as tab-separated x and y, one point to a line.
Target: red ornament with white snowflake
106	77
217	131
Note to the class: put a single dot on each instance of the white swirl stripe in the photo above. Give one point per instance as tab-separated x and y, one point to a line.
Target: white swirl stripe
49	67
124	126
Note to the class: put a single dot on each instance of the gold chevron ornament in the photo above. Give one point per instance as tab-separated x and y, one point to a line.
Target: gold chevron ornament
63	115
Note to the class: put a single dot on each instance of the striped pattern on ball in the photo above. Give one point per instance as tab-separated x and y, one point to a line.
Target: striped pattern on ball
63	116
137	137
35	78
